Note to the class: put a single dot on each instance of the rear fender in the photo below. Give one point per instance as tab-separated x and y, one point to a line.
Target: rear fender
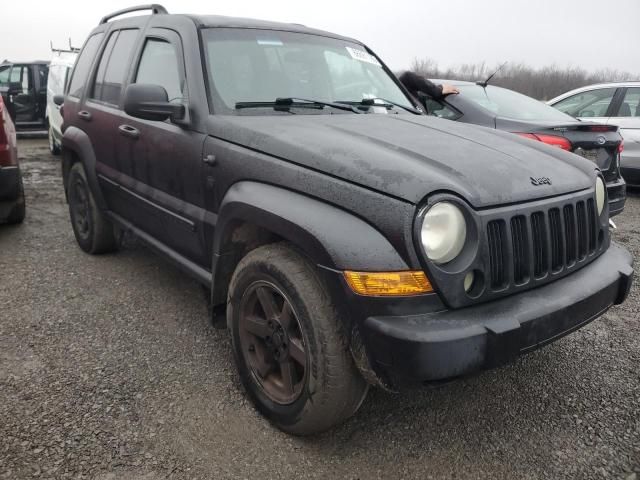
77	147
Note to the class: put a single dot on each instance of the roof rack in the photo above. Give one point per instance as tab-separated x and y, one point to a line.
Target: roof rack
155	8
71	48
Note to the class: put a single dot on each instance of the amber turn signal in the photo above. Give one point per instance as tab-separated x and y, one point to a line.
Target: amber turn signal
397	284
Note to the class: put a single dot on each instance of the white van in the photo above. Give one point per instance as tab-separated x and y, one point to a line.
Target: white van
59	70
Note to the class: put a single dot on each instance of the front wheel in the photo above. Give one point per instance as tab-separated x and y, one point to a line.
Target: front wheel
288	343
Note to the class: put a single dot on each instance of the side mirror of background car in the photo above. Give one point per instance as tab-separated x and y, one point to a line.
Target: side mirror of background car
58	100
151	102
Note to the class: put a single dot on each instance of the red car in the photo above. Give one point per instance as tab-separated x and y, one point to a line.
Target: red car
12	206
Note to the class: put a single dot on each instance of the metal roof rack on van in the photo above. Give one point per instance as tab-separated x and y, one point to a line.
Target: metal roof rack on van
154	7
71	48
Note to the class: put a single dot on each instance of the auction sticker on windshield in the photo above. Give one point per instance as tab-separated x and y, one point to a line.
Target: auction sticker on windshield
363	56
270	41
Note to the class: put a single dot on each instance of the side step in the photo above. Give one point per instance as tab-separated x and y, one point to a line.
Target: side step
194	270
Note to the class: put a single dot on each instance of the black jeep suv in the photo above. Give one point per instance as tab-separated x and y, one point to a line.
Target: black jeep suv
350	239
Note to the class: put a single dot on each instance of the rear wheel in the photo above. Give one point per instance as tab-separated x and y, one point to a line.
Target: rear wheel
54	148
288	343
94	233
19	211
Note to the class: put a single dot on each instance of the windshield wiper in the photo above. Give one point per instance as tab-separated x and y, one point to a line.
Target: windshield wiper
286	103
388	104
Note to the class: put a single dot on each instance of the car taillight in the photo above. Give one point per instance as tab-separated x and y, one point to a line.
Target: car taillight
552	140
5	151
621	147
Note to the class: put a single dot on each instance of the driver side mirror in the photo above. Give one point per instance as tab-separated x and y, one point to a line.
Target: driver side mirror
151	102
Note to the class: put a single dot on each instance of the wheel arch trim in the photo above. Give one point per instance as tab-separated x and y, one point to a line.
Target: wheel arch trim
76	142
329	236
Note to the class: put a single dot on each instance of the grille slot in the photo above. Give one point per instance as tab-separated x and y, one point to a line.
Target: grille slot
520	249
540	249
497	249
582	230
557	242
570	234
591	210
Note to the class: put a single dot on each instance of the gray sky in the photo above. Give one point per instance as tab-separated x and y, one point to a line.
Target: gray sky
588	33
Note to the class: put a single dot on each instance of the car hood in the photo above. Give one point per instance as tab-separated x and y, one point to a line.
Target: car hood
411	156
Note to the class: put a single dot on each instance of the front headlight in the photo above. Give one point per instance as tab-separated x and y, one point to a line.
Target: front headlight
443	232
600	195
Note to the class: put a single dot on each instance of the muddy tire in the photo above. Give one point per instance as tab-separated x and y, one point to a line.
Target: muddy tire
19	211
288	343
93	232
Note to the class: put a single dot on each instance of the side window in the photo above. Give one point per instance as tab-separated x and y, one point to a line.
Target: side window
630	106
98	87
159	66
113	67
593	103
20	74
4	74
83	65
441	110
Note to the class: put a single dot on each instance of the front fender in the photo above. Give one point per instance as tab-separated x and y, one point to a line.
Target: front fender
77	147
331	237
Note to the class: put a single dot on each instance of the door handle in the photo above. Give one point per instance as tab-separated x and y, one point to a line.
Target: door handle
129	131
84	115
210	160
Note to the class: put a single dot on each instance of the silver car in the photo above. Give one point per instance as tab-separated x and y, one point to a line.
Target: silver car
613	103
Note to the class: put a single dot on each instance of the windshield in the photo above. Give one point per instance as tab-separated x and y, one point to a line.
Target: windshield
250	65
509	104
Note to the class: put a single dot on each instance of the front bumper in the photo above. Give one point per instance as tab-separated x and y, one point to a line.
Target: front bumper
452	343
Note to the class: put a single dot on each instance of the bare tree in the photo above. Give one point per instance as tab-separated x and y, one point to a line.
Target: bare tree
541	83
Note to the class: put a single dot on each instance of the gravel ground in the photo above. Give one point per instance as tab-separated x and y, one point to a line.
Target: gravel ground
109	370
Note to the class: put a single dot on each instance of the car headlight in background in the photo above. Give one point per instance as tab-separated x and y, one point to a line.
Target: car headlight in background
600	195
443	232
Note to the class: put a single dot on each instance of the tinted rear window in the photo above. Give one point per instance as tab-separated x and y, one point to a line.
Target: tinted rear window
78	81
509	104
113	67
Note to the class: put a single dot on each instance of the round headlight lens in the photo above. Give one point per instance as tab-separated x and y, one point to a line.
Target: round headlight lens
444	232
600	195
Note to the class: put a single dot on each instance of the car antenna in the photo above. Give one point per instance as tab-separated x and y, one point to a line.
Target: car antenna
484	84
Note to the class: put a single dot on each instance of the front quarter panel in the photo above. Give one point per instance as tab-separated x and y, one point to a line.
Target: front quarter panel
331	237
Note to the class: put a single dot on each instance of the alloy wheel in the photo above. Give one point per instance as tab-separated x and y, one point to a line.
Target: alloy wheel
272	342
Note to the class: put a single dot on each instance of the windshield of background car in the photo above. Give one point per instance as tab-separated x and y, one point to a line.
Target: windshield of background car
509	104
251	65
